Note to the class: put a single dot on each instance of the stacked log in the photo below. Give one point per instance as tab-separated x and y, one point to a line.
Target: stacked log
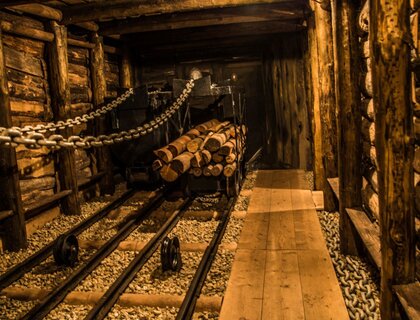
370	186
210	149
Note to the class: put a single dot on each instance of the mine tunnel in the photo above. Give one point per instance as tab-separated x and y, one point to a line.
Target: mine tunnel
214	159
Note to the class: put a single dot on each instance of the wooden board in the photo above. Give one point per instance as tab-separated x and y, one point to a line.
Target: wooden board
334	184
409	297
322	298
244	293
318	197
283	297
368	232
287	248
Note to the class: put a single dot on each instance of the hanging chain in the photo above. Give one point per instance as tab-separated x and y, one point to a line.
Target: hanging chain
53	126
34	138
355	276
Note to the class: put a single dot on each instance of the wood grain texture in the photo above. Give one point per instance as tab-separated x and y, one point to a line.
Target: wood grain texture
349	119
298	277
389	27
61	105
99	91
10	197
96	11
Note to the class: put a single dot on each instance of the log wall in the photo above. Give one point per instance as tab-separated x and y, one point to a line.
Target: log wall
112	75
81	102
287	131
30	103
370	198
28	82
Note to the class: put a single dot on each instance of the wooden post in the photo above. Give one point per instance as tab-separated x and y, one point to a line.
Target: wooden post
390	50
324	128
126	69
349	119
312	67
98	96
10	197
327	106
61	106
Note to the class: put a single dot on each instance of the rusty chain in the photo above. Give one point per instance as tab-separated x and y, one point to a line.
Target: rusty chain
34	138
356	280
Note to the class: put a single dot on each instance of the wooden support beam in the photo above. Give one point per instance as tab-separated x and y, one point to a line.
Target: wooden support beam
126	69
171	37
5	214
10	196
194	19
205	48
91	26
327	104
39	10
123	9
31	33
10	3
45	204
390	51
98	97
349	119
80	43
61	106
313	70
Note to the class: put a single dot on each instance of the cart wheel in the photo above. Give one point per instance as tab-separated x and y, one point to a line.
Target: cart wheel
66	250
170	254
234	184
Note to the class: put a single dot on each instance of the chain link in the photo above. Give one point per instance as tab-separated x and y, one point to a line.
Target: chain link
34	138
355	277
53	126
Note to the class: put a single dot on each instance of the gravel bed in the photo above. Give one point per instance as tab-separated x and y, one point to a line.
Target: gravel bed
47	275
233	230
242	203
14	309
68	312
142	313
53	229
249	181
107	272
218	276
309	177
193	230
152	280
205	315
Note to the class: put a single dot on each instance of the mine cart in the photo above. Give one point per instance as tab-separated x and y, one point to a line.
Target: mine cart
225	102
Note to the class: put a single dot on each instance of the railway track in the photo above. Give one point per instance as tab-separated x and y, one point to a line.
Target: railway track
110	297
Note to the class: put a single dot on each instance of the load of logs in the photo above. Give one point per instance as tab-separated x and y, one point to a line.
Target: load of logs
210	149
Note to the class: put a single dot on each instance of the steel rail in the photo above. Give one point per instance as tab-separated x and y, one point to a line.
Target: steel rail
16	272
59	293
111	296
186	310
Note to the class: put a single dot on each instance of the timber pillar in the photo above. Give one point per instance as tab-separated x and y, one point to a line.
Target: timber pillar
61	106
390	50
103	154
10	196
349	119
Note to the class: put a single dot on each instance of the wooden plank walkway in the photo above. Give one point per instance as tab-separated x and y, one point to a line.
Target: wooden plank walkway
282	269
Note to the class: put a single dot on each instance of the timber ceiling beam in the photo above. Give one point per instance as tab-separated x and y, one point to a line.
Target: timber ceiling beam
4	4
214	33
202	46
202	18
39	10
107	10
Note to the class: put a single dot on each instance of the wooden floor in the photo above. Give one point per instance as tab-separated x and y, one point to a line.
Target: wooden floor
282	269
